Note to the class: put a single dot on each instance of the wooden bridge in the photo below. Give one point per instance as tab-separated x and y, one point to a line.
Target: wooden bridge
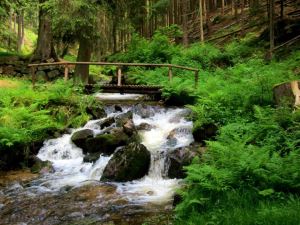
119	87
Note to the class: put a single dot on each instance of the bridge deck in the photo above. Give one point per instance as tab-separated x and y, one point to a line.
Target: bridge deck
130	89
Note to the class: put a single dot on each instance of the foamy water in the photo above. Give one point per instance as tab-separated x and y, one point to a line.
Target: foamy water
71	171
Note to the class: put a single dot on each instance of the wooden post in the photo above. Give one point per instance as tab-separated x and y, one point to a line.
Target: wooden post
119	74
33	75
66	77
196	78
170	73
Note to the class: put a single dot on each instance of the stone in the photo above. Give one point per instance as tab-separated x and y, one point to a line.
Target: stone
205	132
186	113
129	163
118	108
80	137
107	122
105	143
144	126
1	70
143	111
39	166
53	74
96	110
129	128
41	75
123	118
91	157
287	94
178	159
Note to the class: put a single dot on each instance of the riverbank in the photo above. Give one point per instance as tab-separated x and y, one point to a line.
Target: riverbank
29	116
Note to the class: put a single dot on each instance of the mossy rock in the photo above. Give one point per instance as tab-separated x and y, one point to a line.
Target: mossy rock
129	163
205	132
106	143
79	137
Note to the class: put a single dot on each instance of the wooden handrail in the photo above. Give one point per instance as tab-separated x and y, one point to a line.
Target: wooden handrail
113	64
118	64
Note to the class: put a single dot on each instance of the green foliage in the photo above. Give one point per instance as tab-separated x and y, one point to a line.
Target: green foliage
28	115
250	174
158	50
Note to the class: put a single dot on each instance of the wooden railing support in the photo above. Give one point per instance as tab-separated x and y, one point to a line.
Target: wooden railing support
119	74
33	75
170	73
66	76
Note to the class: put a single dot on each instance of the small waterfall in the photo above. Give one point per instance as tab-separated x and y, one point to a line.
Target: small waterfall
71	171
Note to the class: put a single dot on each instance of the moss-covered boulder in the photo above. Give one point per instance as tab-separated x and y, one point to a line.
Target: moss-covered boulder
96	110
178	159
91	157
106	143
129	128
123	118
205	132
79	138
39	166
129	163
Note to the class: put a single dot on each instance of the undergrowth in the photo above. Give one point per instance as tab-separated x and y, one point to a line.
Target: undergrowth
32	115
250	173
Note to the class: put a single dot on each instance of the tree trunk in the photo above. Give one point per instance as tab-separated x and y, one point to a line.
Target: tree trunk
45	47
84	55
271	27
201	20
19	39
185	23
223	7
281	9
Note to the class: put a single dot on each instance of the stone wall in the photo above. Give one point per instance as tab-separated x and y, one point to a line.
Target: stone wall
16	66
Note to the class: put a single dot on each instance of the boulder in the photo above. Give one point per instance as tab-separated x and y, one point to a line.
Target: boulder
143	111
144	126
205	132
118	108
91	157
79	137
129	163
38	166
53	74
106	143
107	122
123	118
287	93
186	113
179	158
96	110
129	128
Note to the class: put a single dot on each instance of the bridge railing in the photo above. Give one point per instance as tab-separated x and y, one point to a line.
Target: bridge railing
119	66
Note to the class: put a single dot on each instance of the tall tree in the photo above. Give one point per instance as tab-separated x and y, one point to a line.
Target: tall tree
45	44
201	20
271	26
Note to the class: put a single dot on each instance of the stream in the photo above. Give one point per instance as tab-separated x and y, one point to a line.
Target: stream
72	192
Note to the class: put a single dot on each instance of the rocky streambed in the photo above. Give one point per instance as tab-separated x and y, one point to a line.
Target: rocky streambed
121	169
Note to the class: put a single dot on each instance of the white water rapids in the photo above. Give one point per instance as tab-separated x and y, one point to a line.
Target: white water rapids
71	171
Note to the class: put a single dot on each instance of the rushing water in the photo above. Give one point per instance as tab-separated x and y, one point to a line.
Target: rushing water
72	175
